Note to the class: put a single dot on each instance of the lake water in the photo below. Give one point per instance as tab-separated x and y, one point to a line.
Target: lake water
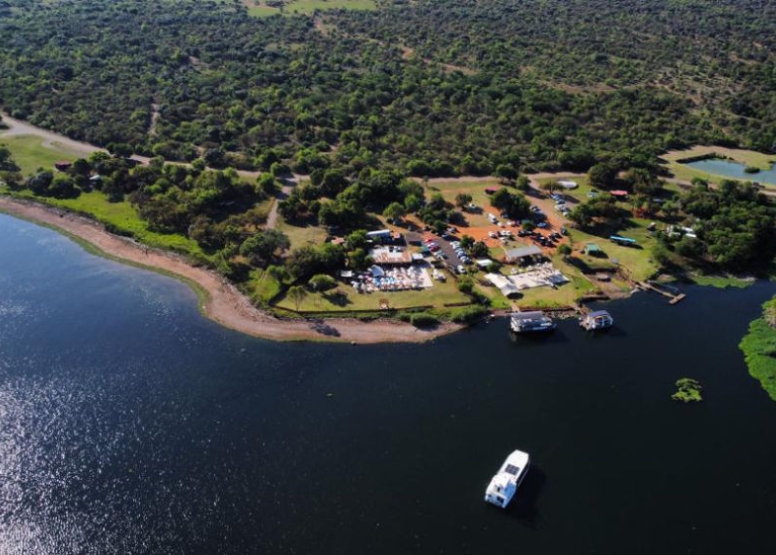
129	424
726	168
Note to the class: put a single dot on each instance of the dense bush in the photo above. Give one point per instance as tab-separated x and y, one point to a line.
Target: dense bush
277	94
470	315
423	320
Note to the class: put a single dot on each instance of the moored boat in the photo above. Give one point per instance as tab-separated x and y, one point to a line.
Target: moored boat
504	484
598	320
531	322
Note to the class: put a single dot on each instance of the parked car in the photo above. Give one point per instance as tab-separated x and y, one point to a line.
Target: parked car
543	225
564	231
535	209
460	269
492	234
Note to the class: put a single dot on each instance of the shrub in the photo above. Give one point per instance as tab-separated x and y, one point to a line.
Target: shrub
470	315
424	320
466	285
322	282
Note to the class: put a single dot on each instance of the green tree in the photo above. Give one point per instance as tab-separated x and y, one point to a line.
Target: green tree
603	175
322	282
506	173
465	285
462	200
297	294
395	211
266	184
263	247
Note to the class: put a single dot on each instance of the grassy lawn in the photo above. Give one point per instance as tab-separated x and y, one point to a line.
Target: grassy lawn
262	286
579	194
449	190
262	11
349	299
30	154
302	236
124	217
680	171
258	8
637	260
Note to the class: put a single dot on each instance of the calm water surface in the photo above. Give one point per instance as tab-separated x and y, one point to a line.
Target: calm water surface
726	168
130	424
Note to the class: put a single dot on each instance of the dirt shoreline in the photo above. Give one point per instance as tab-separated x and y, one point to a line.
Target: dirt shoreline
224	303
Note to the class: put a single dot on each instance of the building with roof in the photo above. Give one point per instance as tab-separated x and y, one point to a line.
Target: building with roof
391	256
531	253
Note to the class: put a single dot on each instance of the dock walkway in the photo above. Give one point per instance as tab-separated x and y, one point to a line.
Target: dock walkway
674	298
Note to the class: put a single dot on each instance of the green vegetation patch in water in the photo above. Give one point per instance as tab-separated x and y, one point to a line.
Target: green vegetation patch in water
759	347
688	391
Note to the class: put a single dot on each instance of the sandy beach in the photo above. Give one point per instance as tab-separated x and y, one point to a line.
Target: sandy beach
224	304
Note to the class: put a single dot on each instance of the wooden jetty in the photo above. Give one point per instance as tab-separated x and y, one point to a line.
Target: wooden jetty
674	298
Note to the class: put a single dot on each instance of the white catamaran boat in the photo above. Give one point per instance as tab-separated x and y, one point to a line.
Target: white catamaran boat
503	485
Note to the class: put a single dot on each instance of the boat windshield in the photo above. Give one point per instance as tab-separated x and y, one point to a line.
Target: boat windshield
512	469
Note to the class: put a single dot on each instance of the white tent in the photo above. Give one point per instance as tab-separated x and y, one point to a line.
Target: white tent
504	285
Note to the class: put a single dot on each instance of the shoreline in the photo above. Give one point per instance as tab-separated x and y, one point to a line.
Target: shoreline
218	300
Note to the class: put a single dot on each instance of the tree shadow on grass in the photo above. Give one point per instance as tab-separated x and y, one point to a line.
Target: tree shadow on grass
338	298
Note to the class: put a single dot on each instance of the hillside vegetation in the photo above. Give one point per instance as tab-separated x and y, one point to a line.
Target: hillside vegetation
535	84
365	107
